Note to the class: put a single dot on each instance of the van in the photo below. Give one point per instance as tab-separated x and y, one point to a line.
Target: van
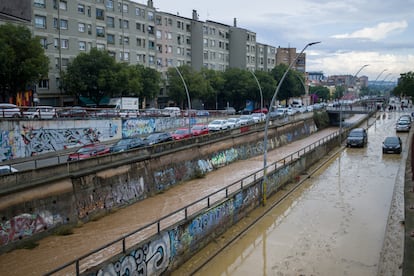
171	111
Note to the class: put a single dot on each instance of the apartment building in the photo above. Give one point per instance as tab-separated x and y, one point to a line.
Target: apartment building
138	34
288	55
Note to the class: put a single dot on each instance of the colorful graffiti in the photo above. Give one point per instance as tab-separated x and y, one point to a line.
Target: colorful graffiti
115	195
26	225
152	258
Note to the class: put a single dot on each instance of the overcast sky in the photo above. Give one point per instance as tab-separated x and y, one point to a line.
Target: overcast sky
353	32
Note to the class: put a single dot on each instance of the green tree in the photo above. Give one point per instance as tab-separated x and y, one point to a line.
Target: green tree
214	83
405	85
239	86
176	88
151	82
321	92
292	85
92	75
268	85
22	60
339	92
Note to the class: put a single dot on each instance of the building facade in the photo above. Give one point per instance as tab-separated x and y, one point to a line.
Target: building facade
139	34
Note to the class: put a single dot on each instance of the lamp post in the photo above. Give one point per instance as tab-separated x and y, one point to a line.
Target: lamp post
379	75
268	117
340	105
188	98
260	89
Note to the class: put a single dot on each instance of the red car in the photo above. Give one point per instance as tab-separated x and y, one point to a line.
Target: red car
197	130
181	133
88	151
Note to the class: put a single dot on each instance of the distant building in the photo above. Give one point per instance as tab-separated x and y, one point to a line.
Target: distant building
288	55
136	34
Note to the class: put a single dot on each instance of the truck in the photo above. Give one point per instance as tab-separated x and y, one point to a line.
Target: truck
124	103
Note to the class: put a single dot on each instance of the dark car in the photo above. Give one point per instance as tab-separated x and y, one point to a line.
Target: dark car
127	144
181	133
392	144
74	112
89	151
198	130
158	137
357	137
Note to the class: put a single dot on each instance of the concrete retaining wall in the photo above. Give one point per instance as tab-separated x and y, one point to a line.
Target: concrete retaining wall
34	210
164	252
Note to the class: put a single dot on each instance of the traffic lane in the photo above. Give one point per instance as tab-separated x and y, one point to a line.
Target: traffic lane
334	222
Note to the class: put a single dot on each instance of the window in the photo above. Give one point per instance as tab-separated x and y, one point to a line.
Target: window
43	42
151	45
158	20
65	62
151	30
81	8
168	35
81	27
63	24
43	84
150	16
124	56
124	40
151	59
40	3
110	22
110	39
125	24
40	22
205	55
139	26
158	34
205	42
82	46
63	5
110	5
64	43
125	8
89	29
100	31
159	48
99	14
100	46
169	49
137	11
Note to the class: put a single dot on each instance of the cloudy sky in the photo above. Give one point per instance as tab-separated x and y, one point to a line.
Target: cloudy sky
353	32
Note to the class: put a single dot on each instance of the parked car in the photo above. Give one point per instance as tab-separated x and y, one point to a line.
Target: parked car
127	143
233	123
202	113
217	125
229	110
40	112
279	112
181	133
106	113
246	120
6	169
258	117
89	151
74	112
158	137
392	144
357	137
199	129
261	110
406	117
9	111
171	111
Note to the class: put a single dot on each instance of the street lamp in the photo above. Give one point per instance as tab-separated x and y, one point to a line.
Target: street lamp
188	98
379	75
260	89
268	117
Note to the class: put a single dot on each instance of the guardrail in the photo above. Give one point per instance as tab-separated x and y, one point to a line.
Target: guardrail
121	244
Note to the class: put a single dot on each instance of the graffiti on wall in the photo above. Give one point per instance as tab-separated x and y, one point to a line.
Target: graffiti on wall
170	176
38	137
152	258
114	195
26	225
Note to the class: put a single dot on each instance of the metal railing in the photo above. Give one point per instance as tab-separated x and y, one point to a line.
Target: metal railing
120	245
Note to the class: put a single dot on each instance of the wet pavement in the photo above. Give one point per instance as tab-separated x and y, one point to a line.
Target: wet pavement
344	220
54	251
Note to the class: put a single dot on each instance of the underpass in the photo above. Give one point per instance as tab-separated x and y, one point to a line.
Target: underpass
346	219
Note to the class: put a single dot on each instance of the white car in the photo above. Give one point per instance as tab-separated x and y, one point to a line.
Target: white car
6	169
217	125
258	117
40	112
233	122
246	120
9	111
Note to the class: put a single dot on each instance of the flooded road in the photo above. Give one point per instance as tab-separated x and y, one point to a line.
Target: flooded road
335	223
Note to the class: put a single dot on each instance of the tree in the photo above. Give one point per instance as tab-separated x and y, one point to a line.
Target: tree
321	92
239	86
151	80
339	92
292	85
405	85
268	85
22	60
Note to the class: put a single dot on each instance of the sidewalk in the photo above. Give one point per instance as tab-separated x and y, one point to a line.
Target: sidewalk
54	251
